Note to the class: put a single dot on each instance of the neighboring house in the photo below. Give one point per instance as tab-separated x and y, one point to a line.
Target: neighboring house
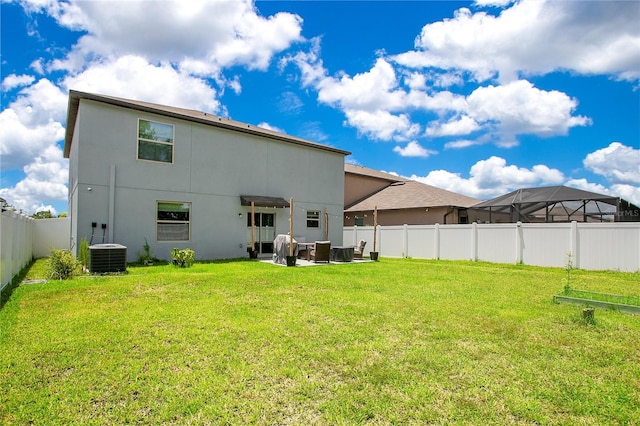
399	201
184	178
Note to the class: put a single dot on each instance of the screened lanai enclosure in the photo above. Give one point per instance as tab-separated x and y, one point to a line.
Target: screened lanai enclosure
554	204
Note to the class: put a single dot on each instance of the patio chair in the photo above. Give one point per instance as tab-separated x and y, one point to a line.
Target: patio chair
357	252
321	251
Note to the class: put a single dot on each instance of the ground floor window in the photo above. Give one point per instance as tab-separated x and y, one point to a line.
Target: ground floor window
359	221
173	221
313	218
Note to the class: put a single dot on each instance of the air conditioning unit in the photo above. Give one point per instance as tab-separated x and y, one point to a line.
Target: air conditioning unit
107	258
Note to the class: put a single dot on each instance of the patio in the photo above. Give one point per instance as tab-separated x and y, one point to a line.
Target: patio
304	262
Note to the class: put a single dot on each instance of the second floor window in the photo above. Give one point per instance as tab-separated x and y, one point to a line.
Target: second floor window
155	141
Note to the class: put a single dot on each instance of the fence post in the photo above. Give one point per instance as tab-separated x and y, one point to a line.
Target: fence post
474	242
355	235
436	242
518	242
405	241
574	244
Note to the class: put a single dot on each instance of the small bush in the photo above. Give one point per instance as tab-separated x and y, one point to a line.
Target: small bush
83	252
61	265
145	256
183	258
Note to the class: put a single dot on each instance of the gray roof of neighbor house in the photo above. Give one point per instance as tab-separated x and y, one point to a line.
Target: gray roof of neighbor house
179	113
365	171
407	194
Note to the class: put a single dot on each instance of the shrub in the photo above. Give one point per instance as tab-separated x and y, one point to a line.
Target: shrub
145	256
183	258
61	265
83	252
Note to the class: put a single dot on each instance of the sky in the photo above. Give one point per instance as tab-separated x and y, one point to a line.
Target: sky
480	98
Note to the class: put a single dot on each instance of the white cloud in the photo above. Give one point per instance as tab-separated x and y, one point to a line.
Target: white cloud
13	81
585	185
382	125
461	143
628	192
520	108
20	143
290	103
37	66
460	126
268	126
376	97
416	81
368	91
534	37
494	172
492	177
617	162
132	77
40	103
45	180
312	130
201	36
413	149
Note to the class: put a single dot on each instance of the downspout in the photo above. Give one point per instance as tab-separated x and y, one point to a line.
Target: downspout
451	210
112	201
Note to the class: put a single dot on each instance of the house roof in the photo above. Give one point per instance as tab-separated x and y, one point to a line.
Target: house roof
406	194
543	195
364	171
179	113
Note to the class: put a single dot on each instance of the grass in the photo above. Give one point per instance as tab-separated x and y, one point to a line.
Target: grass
400	341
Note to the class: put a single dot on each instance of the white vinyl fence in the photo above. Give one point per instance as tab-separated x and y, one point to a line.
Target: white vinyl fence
23	238
594	246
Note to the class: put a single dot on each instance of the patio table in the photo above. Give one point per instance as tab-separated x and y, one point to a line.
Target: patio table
342	253
306	249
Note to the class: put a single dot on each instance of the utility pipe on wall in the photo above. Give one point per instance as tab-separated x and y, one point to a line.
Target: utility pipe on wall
112	201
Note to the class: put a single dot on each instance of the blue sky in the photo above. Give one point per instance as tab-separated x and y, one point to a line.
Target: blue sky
480	98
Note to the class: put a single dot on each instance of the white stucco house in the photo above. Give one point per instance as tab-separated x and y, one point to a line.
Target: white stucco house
184	178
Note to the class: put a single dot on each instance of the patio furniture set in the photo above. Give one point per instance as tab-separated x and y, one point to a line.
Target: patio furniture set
318	251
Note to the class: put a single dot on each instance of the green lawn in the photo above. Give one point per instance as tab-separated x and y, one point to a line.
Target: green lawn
400	341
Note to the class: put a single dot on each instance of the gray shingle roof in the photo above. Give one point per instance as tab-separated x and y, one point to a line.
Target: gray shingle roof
364	171
408	194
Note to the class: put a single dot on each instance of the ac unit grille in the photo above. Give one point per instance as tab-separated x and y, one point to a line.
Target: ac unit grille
107	258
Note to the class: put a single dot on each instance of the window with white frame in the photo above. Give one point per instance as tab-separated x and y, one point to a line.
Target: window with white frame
173	221
155	141
313	218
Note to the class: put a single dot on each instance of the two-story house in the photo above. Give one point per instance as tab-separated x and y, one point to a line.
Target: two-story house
183	178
